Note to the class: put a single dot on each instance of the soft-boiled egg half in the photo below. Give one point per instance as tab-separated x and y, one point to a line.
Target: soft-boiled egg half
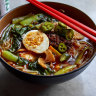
36	41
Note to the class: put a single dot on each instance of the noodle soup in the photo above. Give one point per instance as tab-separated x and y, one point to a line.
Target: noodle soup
41	45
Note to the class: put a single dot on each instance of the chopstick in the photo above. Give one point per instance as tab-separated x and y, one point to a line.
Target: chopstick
68	18
79	27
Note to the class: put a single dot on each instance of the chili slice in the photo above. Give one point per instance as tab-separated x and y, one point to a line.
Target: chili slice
69	34
62	47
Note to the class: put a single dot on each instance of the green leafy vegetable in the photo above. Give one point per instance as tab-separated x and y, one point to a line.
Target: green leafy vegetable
36	66
33	65
15	45
16	34
6	34
45	18
49	71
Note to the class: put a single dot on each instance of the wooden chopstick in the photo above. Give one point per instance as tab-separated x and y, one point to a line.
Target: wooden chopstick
56	14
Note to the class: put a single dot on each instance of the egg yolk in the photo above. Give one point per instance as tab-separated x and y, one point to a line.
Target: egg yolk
33	39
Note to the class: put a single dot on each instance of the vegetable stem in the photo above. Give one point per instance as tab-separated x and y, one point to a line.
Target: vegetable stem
17	20
11	57
80	56
64	57
30	20
65	70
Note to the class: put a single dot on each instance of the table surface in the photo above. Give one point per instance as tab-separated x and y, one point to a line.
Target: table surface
82	85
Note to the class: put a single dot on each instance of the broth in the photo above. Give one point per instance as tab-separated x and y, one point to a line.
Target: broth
41	45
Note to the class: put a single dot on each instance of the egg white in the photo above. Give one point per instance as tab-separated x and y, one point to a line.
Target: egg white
39	48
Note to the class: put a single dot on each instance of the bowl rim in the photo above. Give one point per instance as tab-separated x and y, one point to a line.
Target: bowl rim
53	76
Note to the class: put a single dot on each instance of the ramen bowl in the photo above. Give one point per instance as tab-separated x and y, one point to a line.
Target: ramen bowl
68	10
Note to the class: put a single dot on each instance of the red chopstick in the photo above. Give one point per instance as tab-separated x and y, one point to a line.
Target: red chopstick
68	21
84	27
